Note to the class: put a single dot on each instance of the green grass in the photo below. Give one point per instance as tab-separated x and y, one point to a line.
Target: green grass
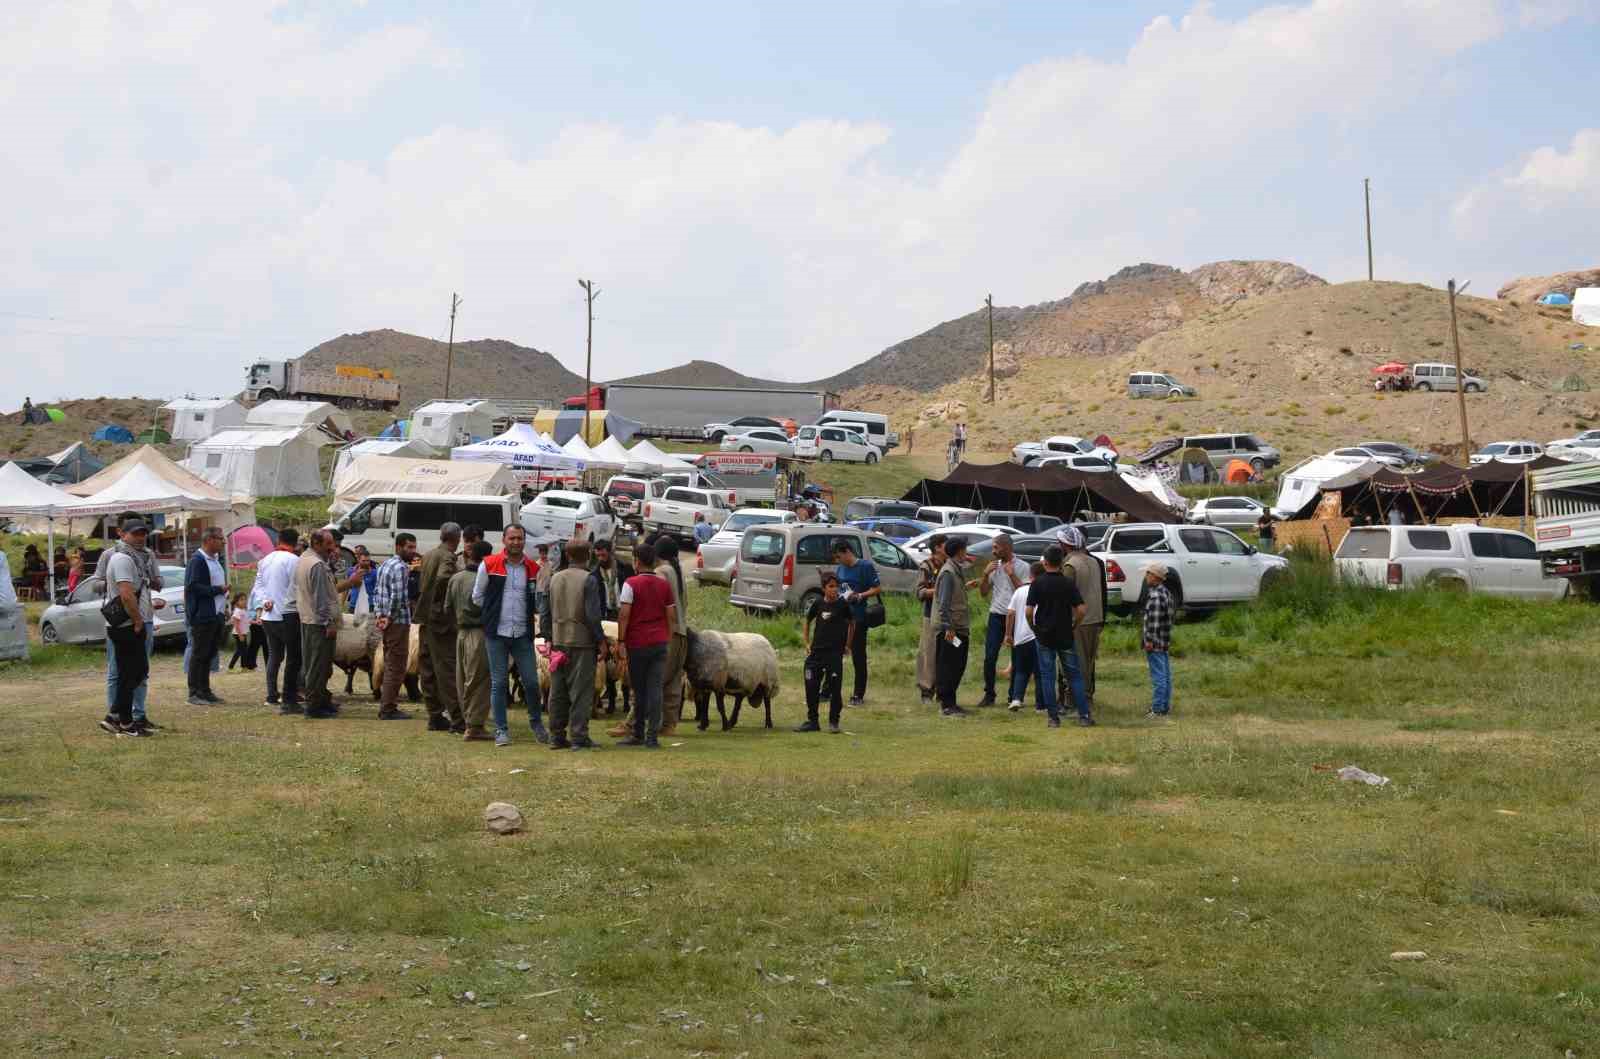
915	887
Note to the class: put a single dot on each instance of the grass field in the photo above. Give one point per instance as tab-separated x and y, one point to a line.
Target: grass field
918	886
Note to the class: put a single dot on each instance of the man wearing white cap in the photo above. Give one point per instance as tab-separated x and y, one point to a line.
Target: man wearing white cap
1089	574
1158	639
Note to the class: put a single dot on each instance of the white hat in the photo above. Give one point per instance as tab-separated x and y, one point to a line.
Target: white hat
1159	569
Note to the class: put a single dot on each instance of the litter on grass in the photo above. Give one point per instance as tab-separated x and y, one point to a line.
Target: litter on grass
1352	774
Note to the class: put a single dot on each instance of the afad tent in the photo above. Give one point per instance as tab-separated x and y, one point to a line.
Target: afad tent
579	449
366	476
260	461
522	450
409	448
196	420
1046	490
301	414
444	424
113	433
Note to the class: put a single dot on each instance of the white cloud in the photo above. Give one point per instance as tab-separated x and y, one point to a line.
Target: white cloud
190	166
1550	176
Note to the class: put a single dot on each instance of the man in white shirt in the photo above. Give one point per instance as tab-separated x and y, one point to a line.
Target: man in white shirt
280	620
1019	637
1003	576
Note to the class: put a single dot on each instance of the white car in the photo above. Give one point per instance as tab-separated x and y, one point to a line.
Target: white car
560	515
941	515
78	620
1031	452
714	562
1495	562
1386	458
1240	512
1589	439
1088	464
762	439
836	443
1206	566
1509	452
972	534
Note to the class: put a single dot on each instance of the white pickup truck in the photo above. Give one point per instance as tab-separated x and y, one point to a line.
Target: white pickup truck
1207	566
562	515
680	509
1495	562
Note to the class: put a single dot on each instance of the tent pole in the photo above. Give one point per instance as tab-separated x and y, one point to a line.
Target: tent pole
1411	488
50	547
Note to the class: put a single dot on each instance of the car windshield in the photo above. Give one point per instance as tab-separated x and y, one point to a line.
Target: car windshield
740	523
546	500
1496	449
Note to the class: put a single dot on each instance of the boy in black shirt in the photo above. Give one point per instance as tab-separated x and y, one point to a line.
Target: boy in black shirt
829	630
1054	608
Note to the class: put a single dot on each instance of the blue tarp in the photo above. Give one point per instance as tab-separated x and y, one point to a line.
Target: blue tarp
1555	297
112	432
398	429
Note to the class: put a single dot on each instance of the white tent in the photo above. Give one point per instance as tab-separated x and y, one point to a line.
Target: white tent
1586	306
579	450
1302	483
144	490
651	460
443	424
21	494
260	461
366	476
240	510
520	448
609	454
195	420
300	414
411	448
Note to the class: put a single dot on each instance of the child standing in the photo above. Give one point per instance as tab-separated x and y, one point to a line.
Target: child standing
240	619
830	629
1158	640
1019	637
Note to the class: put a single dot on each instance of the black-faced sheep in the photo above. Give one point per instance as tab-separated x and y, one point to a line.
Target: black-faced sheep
741	664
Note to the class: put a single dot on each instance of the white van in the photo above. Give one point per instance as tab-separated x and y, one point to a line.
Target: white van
375	521
877	426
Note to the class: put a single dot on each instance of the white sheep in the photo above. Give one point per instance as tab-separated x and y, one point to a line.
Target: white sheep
741	664
413	659
353	650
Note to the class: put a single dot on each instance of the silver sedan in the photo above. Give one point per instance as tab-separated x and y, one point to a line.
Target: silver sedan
761	439
78	620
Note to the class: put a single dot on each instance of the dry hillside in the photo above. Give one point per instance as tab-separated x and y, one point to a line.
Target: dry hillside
487	367
1532	288
1293	367
83	418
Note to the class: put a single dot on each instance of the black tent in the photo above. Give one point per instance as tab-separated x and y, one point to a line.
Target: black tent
1046	490
1444	491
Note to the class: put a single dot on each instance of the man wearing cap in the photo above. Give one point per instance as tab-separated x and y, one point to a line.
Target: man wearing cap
1158	639
152	571
128	584
1089	574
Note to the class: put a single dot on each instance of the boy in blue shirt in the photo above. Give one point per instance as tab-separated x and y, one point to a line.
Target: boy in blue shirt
858	580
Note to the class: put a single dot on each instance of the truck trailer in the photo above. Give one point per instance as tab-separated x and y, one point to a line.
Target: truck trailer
346	385
688	408
1566	526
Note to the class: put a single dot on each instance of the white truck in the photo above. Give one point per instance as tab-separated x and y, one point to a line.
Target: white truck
346	385
1206	566
1566	521
680	509
1466	558
561	515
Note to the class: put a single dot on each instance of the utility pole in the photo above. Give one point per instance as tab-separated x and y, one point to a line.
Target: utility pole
591	292
1366	191
989	301
450	350
1461	393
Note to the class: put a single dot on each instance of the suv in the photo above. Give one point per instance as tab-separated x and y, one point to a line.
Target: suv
878	507
1158	384
780	567
1025	522
1435	376
1474	558
1509	452
1206	566
1221	448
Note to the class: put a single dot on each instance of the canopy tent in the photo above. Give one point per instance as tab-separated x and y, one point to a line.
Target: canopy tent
300	414
1441	491
21	494
196	420
562	424
144	490
365	476
412	448
521	449
1055	491
71	465
112	432
651	460
609	454
579	449
442	424
240	510
260	461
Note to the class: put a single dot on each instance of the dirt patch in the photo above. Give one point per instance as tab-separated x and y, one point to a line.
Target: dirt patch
1164	806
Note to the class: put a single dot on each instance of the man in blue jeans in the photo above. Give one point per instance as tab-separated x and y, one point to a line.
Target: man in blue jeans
1001	579
504	591
153	572
1054	607
1158	640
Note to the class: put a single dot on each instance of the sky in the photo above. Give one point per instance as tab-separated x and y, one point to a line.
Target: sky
785	188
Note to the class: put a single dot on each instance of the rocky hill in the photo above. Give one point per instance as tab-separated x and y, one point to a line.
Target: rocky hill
1099	318
1294	367
486	367
705	373
1531	288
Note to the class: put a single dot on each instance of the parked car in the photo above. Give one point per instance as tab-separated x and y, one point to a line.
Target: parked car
1222	449
945	516
1158	384
972	534
627	494
874	426
1368	453
681	508
760	439
1029	548
78	620
836	443
861	507
1409	456
1029	453
1240	512
780	567
714	562
898	530
1087	464
561	514
1589	439
1474	558
1435	376
374	522
718	431
1018	521
1509	452
1206	566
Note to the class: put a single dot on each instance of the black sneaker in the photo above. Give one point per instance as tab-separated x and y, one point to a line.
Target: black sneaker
953	711
459	728
652	744
857	700
583	744
559	743
395	714
290	710
539	732
833	729
808	726
318	713
987	700
1085	722
146	722
271	702
927	697
630	740
108	723
1054	722
438	724
216	700
134	729
195	700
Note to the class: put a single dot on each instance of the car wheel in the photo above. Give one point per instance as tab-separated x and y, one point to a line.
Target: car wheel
827	456
1425	387
872	457
1174	393
268	394
1273	579
48	633
810	597
718	435
746	448
1474	388
1258	464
